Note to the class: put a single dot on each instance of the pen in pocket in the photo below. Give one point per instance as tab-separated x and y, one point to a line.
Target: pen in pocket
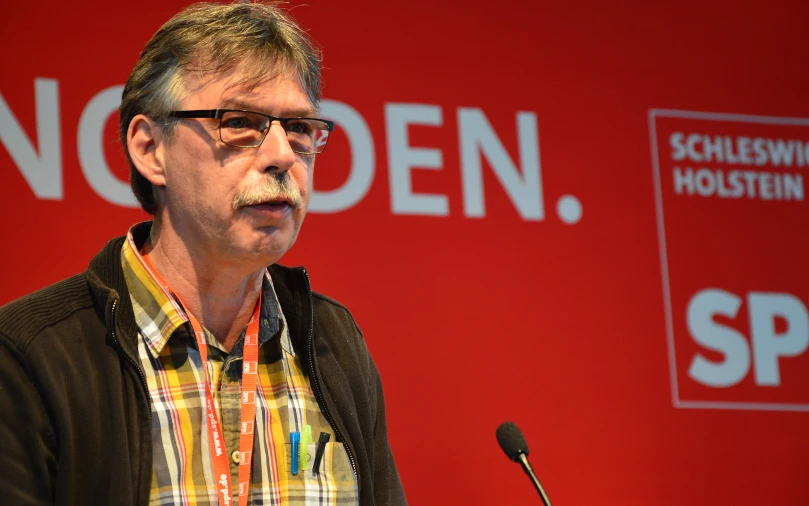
321	447
295	439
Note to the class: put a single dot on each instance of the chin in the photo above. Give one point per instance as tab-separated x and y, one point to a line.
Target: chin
270	249
263	246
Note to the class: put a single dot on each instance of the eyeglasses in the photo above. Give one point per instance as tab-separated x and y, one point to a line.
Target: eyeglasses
247	129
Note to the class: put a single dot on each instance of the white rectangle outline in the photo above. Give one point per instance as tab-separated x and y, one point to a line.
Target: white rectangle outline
664	262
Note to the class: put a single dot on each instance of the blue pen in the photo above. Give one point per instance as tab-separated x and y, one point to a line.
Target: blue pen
295	439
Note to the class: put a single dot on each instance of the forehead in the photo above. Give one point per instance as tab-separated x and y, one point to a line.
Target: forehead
273	93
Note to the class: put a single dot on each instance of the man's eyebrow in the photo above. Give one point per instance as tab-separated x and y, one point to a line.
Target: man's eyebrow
234	103
302	113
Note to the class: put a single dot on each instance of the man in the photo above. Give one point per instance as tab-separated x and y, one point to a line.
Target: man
179	369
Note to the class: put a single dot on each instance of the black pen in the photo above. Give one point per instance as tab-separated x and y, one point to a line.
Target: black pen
321	447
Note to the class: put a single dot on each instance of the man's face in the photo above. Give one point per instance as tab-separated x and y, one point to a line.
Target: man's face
205	177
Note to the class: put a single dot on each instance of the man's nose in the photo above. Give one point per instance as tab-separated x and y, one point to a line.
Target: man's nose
276	149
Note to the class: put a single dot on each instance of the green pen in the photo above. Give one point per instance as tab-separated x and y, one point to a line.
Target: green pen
306	438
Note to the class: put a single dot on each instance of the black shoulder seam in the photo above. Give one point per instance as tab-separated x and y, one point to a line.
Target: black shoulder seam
333	302
328	299
24	319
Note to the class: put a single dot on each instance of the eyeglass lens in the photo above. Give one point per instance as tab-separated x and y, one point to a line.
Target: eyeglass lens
246	129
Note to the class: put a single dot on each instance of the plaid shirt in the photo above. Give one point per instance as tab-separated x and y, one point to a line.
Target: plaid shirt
183	471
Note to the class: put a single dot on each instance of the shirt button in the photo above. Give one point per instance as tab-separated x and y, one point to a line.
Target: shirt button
235	456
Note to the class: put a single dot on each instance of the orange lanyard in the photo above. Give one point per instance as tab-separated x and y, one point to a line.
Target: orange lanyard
216	443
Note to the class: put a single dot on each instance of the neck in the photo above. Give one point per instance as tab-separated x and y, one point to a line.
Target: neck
221	297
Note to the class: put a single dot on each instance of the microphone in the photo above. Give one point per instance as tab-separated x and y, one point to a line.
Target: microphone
514	446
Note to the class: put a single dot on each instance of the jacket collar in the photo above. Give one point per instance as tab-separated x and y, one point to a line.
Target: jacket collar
105	277
295	297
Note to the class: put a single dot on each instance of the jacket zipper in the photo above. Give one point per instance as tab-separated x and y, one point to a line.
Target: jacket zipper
318	393
129	359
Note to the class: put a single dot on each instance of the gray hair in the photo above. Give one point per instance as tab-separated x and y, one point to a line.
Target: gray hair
260	39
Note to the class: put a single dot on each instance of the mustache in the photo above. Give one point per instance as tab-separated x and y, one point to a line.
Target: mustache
275	187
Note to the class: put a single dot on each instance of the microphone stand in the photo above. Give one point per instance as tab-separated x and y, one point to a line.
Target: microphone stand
530	472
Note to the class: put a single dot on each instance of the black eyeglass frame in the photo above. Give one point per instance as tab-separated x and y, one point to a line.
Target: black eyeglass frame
219	113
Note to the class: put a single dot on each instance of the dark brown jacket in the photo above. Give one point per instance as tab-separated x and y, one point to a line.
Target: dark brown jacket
75	420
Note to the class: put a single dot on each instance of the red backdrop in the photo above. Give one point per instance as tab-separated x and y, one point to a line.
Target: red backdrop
490	298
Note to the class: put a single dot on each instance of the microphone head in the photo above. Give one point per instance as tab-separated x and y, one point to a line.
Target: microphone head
511	441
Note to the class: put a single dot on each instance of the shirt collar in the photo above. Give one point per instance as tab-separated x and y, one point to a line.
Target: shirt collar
159	314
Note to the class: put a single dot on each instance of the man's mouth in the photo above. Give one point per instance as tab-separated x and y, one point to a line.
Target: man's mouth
275	210
277	204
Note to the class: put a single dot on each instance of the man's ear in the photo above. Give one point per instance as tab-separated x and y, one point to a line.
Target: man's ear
146	140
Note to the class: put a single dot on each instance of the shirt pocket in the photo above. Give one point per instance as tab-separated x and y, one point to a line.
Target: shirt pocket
335	465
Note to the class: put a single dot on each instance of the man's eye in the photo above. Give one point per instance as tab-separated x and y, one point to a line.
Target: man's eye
300	127
238	122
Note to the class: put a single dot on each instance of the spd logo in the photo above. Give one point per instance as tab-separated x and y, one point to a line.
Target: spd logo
733	229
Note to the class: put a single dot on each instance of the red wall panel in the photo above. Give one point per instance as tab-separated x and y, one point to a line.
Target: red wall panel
474	320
